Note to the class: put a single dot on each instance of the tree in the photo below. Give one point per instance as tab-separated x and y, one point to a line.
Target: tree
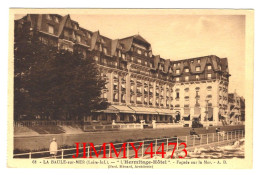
55	83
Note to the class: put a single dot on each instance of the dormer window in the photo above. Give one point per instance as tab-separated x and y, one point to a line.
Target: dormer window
186	69
209	67
198	60
145	54
150	54
51	29
177	71
177	79
57	20
198	68
78	38
88	35
139	51
49	17
209	76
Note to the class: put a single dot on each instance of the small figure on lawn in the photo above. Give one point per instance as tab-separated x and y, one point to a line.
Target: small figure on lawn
53	148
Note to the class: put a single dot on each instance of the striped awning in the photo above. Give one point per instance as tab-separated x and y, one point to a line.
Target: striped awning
123	109
143	110
165	111
110	109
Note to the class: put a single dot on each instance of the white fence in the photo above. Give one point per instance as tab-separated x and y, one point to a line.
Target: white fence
191	141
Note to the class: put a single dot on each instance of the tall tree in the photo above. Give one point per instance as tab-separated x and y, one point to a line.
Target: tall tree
58	84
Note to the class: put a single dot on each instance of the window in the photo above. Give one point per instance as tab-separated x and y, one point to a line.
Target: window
197	77
105	95
179	64
150	54
191	61
51	29
198	68
187	78
123	97
145	53
209	67
145	63
209	96
186	89
132	58
209	88
78	38
57	20
186	69
139	51
174	65
105	50
177	71
177	79
198	60
209	76
123	56
115	96
177	94
139	60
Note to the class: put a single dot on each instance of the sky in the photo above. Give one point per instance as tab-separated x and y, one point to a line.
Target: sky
180	36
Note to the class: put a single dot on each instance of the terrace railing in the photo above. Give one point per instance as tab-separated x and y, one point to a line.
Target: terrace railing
191	141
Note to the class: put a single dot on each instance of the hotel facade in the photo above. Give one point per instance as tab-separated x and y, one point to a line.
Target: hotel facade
141	87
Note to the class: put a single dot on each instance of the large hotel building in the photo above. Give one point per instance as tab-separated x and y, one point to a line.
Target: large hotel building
142	87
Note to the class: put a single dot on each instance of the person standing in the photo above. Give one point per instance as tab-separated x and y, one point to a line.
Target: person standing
53	148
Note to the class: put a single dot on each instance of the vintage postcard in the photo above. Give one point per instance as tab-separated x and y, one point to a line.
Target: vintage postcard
131	88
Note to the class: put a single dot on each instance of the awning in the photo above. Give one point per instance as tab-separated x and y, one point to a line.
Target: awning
143	110
110	109
123	109
165	111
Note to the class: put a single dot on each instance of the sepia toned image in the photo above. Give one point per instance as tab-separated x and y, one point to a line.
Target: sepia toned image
139	88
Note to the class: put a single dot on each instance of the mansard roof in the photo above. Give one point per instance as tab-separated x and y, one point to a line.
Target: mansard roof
41	22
